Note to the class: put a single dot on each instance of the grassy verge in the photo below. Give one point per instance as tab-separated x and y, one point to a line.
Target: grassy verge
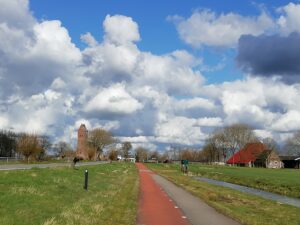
56	196
248	209
4	162
281	181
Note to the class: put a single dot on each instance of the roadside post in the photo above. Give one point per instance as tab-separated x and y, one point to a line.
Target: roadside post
86	179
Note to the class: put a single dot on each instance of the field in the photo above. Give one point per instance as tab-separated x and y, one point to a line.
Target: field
248	209
281	181
56	196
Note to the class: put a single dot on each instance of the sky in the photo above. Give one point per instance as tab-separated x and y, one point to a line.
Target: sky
155	73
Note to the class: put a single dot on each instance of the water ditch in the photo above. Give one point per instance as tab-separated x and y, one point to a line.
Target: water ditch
268	195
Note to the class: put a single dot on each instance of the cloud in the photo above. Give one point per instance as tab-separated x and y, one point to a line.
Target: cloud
113	100
89	39
168	73
289	121
270	55
48	85
268	105
263	134
120	29
15	13
109	63
208	28
197	102
44	113
246	101
31	61
205	27
179	130
174	72
289	22
210	122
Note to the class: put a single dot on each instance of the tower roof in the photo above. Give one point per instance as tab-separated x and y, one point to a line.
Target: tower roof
82	126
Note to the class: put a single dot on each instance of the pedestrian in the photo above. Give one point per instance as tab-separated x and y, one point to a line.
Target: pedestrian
182	166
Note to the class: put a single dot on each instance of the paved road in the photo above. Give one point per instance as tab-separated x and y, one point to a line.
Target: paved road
162	202
196	211
49	165
155	207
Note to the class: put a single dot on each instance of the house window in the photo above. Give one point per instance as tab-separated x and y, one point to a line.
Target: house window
276	163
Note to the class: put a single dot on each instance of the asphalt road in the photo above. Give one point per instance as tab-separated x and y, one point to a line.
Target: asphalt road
49	165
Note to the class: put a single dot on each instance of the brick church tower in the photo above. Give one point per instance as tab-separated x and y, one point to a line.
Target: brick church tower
82	150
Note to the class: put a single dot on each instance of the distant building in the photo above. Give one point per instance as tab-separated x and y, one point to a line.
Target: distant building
82	149
291	161
268	159
256	154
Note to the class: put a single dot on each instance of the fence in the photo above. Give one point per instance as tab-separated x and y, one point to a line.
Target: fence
9	159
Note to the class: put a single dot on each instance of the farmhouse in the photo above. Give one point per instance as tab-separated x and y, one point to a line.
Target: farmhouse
268	159
256	154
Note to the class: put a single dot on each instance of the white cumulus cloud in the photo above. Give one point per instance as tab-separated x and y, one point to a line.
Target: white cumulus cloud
120	29
115	100
290	20
205	27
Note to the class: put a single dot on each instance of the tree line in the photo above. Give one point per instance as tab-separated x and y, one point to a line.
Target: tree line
224	142
23	144
218	147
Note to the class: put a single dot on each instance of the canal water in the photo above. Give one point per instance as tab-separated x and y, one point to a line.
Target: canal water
264	194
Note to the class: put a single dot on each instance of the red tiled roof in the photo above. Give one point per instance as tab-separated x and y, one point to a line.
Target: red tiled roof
248	154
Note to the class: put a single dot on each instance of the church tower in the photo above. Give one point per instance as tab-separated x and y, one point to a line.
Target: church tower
82	150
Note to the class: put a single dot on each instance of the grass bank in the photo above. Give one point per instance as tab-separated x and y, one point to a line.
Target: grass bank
56	196
248	209
280	181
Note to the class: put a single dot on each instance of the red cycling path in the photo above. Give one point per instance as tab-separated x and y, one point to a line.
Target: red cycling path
163	203
155	206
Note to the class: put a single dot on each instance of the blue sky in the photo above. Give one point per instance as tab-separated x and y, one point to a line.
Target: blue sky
158	34
156	73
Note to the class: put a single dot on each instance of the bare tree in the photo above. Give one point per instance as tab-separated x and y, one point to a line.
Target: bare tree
216	145
61	148
29	145
113	154
237	136
271	144
210	152
126	147
45	145
154	155
174	152
141	154
292	145
187	154
99	139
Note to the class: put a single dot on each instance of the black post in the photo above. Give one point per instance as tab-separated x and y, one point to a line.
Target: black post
86	179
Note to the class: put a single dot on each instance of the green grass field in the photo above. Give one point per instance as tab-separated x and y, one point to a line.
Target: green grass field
56	196
281	181
246	208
